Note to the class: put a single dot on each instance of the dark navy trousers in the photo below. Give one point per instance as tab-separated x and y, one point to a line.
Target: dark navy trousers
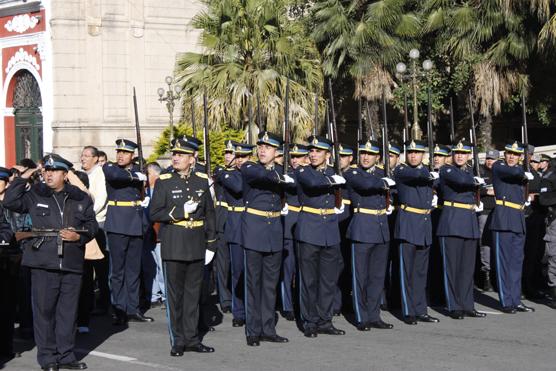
55	297
125	262
238	286
458	260
288	275
262	274
368	266
318	275
509	253
414	261
222	268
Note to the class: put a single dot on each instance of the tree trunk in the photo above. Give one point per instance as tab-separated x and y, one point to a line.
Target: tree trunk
485	133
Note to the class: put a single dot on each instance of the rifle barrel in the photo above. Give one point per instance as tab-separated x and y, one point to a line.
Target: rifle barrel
429	129
525	135
138	132
385	135
286	162
476	166
206	138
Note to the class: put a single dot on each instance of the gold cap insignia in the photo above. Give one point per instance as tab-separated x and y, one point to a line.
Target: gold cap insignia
315	141
238	148
295	148
178	144
340	147
50	161
437	148
515	146
459	145
230	145
265	137
121	143
412	144
368	145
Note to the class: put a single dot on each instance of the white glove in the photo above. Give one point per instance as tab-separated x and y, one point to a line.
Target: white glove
434	203
479	208
479	180
288	179
284	210
338	179
434	175
390	210
208	256
389	182
529	176
146	201
142	177
190	207
340	210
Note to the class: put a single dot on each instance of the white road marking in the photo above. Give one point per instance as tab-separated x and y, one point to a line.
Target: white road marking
489	312
111	356
127	359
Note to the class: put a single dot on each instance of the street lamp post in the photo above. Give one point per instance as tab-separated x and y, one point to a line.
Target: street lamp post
414	74
170	96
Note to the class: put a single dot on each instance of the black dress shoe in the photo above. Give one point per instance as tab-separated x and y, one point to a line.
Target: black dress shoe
138	317
523	308
119	319
474	313
380	324
199	348
253	341
310	333
226	310
274	339
288	315
51	367
238	322
427	318
72	366
410	320
363	327
176	352
508	310
331	331
456	314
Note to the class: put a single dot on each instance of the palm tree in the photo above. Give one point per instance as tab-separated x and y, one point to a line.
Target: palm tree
490	41
250	48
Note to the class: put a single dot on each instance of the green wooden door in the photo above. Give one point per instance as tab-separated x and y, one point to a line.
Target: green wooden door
28	134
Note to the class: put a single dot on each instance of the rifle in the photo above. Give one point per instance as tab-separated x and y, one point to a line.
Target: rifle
337	170
359	122
429	130
526	156
250	122
405	120
368	110
316	114
385	151
42	233
140	145
193	126
259	123
476	167
286	164
206	138
452	128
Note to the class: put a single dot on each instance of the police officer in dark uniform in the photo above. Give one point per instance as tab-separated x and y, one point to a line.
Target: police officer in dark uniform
262	232
414	231
369	234
56	262
298	157
318	237
10	257
232	185
222	259
183	205
124	228
458	231
508	226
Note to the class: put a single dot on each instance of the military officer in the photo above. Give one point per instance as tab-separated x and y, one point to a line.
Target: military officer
222	258
232	186
262	232
394	152
124	227
547	198
369	234
298	157
508	226
458	231
441	154
414	231
182	203
318	237
56	266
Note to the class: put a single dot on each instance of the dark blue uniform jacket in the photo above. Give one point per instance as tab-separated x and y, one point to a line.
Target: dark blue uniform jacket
508	182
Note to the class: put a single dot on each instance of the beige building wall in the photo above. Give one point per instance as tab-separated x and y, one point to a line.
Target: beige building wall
101	49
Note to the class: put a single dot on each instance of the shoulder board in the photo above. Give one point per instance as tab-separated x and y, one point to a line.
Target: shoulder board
230	169
201	175
380	166
354	166
165	176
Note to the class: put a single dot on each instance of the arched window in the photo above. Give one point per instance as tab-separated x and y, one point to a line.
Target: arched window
28	116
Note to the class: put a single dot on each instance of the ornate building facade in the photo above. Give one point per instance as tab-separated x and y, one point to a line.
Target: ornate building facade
69	68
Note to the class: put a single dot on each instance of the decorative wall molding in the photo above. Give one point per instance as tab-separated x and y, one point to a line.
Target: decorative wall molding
21	23
22	56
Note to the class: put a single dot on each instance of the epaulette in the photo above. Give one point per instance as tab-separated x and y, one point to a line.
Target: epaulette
380	166
165	176
201	175
353	166
230	168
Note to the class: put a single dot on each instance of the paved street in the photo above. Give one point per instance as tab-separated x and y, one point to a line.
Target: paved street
522	341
